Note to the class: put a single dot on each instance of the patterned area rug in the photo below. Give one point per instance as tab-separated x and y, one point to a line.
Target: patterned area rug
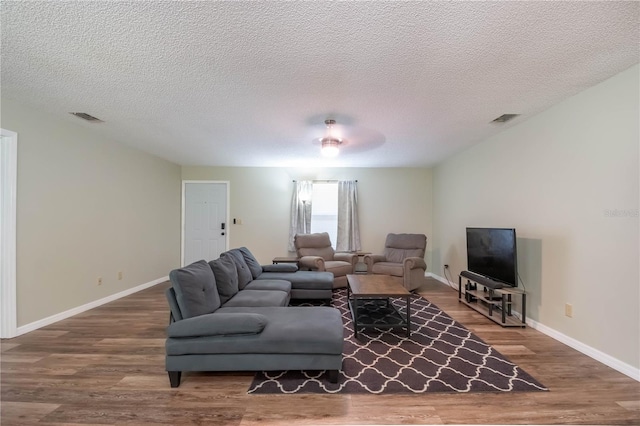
440	356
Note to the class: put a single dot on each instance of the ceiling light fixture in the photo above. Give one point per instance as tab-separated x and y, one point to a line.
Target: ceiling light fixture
330	143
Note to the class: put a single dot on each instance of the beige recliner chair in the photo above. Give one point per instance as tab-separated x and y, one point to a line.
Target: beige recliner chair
315	253
403	258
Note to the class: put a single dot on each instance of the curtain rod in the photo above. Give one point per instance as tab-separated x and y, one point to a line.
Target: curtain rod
325	180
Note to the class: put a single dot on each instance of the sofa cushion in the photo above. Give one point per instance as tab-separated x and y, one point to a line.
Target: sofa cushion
195	289
406	241
326	253
338	268
280	267
280	285
318	244
301	330
251	261
388	268
251	298
226	275
399	255
397	247
310	280
244	274
218	324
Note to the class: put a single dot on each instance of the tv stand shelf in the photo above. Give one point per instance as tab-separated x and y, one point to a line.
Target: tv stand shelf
481	295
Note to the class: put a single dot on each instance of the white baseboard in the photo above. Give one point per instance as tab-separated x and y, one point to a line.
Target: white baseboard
75	311
441	279
608	360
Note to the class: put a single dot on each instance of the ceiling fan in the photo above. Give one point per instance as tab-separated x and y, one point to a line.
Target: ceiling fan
330	142
346	138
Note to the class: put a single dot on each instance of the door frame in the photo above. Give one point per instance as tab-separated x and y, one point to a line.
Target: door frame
227	214
8	189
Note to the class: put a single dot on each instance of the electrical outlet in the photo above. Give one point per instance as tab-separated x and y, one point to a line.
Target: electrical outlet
568	310
446	266
99	280
120	275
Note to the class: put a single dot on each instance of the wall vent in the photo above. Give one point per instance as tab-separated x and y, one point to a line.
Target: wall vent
504	118
87	117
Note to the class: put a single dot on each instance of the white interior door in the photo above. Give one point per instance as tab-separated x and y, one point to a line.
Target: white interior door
205	221
8	198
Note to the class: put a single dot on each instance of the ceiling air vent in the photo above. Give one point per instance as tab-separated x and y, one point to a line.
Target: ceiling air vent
504	118
87	117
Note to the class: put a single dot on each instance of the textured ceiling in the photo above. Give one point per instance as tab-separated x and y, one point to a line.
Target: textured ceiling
250	83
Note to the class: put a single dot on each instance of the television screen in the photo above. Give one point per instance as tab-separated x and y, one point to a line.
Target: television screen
491	252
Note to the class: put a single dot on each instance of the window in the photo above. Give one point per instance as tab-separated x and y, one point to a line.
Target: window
324	210
324	213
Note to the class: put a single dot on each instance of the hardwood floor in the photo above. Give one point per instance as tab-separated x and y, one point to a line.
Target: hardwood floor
106	367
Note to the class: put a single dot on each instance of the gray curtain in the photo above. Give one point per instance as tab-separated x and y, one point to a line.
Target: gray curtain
348	227
300	210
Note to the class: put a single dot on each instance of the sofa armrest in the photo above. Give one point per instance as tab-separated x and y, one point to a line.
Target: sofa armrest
280	267
351	258
414	263
312	262
218	325
370	259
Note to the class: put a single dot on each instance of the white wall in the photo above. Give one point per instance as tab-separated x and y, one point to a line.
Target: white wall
555	178
390	200
87	207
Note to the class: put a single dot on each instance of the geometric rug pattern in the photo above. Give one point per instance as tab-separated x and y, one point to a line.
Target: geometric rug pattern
441	355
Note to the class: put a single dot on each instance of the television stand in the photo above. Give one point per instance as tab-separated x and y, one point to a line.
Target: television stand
491	298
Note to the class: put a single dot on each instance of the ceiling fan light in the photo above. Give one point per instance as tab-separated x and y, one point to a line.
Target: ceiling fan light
330	147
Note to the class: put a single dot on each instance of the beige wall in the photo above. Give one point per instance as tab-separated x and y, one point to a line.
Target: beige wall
555	177
88	207
390	200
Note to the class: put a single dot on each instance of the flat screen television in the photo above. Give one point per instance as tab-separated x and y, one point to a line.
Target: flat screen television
491	252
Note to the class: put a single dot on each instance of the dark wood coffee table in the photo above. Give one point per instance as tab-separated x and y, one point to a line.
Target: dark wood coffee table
368	297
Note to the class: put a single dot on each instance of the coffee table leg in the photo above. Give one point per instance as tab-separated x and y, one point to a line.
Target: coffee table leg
408	316
355	317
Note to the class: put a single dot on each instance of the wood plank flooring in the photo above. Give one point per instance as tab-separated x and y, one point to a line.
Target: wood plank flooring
106	367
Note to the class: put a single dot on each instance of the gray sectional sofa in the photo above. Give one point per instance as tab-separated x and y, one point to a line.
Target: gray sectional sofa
304	284
227	316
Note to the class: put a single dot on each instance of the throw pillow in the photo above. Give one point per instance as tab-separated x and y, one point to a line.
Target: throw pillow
398	255
244	274
195	288
226	275
219	324
251	261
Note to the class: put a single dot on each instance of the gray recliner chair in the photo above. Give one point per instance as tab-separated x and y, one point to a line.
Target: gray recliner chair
403	257
315	253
